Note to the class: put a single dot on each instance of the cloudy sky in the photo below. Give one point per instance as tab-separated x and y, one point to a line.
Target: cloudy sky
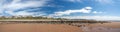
72	9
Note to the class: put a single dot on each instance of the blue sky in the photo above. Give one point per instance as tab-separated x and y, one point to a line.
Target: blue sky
72	9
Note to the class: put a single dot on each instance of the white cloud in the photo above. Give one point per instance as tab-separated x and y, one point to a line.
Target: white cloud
26	13
29	14
93	17
16	4
23	13
19	4
68	12
97	12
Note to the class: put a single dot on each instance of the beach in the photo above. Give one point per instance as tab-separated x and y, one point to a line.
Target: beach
26	27
44	27
102	27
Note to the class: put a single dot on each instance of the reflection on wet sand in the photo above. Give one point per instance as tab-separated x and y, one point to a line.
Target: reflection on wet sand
100	29
105	27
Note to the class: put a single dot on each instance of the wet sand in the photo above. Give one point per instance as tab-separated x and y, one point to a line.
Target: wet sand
38	28
110	25
105	27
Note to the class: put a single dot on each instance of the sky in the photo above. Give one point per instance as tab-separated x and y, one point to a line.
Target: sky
71	9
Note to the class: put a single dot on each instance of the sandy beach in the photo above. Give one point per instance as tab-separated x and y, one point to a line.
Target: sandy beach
105	27
38	28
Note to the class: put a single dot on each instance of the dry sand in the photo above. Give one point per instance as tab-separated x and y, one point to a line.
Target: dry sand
38	28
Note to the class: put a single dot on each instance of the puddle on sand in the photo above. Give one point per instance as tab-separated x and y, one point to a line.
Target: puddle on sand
100	29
